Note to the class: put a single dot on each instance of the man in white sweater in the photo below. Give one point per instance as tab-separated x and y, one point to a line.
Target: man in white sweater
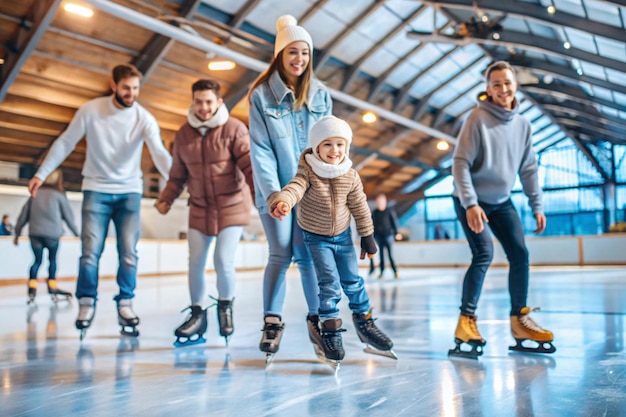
115	127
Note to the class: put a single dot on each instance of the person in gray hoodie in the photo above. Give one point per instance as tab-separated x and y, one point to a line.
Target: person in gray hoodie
45	215
494	147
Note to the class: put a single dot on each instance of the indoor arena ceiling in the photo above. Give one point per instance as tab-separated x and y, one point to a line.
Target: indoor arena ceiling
417	65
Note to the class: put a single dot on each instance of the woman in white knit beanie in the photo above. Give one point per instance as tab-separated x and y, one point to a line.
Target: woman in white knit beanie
285	101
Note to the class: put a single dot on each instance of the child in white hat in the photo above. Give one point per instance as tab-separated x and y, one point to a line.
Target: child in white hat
328	192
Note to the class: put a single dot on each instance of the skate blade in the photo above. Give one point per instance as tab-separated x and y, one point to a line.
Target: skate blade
335	364
57	298
188	342
386	353
130	333
30	301
226	340
542	347
466	354
269	359
83	333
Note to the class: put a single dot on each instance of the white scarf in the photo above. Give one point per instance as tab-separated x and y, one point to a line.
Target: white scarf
218	119
325	170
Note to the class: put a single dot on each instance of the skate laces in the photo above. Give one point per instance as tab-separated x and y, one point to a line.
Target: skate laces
125	309
529	323
474	328
370	327
85	312
272	330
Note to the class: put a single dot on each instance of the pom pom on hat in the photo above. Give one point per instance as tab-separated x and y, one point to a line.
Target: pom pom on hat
329	127
288	31
284	21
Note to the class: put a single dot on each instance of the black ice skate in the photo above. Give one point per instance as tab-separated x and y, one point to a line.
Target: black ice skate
86	312
467	333
192	330
225	318
272	333
56	293
32	291
315	335
376	341
127	318
332	343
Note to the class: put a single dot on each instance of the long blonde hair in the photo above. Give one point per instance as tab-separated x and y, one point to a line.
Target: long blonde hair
304	81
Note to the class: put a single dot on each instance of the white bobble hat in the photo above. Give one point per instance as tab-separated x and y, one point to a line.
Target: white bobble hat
329	127
288	31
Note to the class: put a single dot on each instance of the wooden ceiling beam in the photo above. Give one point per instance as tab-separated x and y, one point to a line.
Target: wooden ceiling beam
25	40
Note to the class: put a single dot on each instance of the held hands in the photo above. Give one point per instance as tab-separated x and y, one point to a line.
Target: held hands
162	207
541	223
368	246
475	218
280	210
33	186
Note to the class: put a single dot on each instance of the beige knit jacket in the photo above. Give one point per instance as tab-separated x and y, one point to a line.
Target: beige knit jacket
325	204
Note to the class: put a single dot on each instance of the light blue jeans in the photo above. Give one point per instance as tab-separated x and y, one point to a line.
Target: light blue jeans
336	267
223	258
97	211
286	243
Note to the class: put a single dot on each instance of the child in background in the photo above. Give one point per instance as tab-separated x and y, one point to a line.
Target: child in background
46	214
328	191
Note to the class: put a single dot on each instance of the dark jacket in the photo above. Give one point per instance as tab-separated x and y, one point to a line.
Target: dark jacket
216	168
385	223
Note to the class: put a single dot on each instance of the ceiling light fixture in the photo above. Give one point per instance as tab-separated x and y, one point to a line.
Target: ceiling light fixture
442	145
551	9
369	117
567	45
495	35
77	9
221	65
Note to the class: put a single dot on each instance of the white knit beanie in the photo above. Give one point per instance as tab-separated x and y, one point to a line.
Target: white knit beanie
329	127
288	31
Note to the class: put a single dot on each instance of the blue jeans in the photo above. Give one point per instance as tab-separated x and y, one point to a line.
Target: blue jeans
505	224
286	243
98	210
336	267
38	244
223	258
384	243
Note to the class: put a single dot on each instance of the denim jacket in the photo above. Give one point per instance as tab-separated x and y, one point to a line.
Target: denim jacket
278	135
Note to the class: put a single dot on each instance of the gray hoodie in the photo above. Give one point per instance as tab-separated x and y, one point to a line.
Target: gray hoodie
45	214
493	147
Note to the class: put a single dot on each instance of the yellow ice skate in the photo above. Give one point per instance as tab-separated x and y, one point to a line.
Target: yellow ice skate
524	328
467	332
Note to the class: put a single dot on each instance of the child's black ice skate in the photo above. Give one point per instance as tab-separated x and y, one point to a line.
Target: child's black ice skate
376	341
225	318
32	291
127	318
272	333
467	333
86	312
57	294
332	343
192	330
